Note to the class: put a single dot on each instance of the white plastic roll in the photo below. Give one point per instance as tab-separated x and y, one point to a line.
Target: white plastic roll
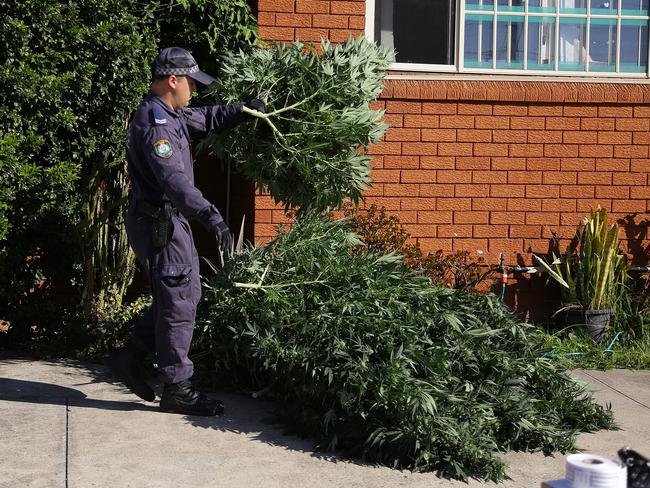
592	471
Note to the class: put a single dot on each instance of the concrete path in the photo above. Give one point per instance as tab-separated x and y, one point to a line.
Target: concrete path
63	425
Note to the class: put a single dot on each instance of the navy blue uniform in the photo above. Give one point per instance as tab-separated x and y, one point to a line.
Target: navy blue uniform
161	170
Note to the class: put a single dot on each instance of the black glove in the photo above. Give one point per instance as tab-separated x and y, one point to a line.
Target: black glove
257	104
224	238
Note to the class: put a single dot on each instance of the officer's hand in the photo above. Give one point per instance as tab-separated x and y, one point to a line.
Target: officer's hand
257	104
224	238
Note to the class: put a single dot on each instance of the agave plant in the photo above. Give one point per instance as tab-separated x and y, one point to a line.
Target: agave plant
592	271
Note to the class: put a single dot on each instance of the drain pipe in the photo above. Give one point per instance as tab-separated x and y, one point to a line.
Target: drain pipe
227	215
504	277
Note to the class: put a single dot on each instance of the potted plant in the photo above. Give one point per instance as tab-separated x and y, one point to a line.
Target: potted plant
592	272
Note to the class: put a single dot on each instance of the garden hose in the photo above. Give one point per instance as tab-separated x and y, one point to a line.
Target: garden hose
608	349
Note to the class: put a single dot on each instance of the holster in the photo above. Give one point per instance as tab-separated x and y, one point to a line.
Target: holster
162	225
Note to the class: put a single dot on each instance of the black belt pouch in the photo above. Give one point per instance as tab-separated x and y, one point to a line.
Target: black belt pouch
162	226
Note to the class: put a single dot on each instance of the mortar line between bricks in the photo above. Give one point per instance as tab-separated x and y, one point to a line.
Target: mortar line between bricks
617	391
67	416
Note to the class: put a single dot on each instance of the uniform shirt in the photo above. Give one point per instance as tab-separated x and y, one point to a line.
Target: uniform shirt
159	154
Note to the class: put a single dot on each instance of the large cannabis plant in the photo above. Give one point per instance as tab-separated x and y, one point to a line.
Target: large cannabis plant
309	149
369	358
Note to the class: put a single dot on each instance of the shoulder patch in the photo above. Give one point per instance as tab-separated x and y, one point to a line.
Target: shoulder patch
163	148
159	115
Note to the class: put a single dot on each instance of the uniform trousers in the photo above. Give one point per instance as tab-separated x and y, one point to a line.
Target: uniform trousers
166	328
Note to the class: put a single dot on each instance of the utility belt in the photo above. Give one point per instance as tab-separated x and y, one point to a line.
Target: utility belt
162	225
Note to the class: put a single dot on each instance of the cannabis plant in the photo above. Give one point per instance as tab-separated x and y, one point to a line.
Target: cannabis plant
309	148
370	359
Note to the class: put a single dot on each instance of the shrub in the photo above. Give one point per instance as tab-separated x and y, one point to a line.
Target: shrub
113	324
382	233
70	73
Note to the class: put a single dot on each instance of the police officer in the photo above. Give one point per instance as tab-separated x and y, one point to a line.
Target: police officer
163	199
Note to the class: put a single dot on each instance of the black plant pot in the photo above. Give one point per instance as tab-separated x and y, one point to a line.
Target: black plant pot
596	322
574	316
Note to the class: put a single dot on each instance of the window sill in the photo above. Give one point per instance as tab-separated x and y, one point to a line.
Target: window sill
412	75
453	86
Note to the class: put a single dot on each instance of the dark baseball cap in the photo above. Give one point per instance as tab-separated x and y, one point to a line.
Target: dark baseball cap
178	61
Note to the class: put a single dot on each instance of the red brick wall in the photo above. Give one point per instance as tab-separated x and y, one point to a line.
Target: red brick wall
496	166
490	166
310	20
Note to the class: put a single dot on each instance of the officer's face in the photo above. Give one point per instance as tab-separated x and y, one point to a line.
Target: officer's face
184	88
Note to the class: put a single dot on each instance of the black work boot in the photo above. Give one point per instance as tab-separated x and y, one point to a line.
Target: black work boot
183	398
126	366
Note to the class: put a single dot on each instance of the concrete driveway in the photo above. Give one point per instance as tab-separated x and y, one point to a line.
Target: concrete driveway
63	425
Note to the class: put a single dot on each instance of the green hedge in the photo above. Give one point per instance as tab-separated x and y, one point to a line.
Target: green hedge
70	73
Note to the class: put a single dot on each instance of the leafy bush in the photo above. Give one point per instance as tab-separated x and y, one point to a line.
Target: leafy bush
305	150
382	233
113	324
367	357
70	73
209	29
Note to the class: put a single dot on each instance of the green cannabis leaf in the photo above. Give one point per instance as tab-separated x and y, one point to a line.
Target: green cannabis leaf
309	149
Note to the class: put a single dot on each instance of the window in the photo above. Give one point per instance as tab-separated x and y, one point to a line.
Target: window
572	37
421	31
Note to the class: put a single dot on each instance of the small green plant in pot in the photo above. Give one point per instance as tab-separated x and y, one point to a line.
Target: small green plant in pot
592	272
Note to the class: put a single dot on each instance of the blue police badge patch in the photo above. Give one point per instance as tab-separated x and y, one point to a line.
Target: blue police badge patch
163	148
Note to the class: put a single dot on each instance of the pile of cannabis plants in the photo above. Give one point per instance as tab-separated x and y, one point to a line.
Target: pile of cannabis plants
305	150
370	359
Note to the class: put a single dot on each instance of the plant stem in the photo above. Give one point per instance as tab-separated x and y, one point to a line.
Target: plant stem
282	285
294	105
265	118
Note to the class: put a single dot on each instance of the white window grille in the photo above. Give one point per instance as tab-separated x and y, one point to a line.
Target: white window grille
559	37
